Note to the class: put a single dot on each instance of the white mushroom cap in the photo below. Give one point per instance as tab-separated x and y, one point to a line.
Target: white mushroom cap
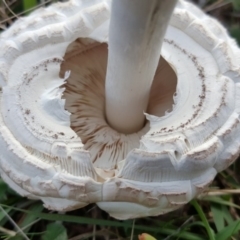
69	161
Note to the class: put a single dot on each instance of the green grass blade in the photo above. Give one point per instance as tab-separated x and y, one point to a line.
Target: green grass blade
227	215
218	216
3	191
27	219
236	5
27	4
220	201
204	219
2	214
229	231
235	32
55	231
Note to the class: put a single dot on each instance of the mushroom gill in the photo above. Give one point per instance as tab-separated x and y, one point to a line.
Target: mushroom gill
84	93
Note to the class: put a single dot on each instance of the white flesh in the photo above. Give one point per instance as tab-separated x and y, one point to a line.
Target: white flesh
137	29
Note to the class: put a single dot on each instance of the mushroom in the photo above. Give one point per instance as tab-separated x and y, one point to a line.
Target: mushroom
70	138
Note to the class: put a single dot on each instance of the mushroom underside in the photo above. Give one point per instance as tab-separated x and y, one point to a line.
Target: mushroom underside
84	93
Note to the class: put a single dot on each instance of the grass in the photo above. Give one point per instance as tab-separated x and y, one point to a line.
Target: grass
214	216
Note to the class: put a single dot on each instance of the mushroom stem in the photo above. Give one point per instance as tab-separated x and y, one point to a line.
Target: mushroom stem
137	29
